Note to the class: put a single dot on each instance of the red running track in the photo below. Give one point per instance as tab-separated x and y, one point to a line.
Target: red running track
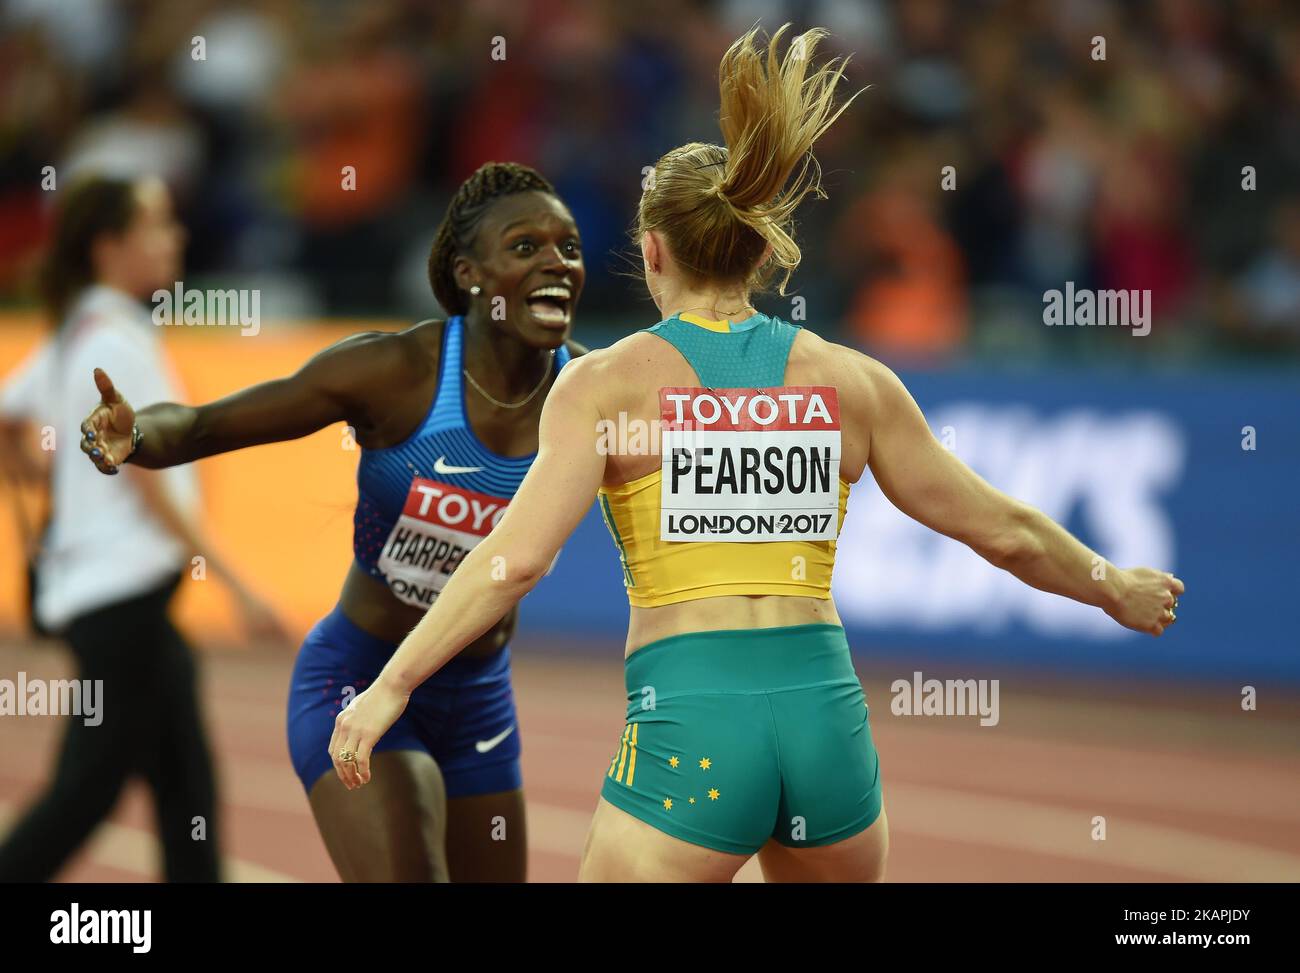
1192	788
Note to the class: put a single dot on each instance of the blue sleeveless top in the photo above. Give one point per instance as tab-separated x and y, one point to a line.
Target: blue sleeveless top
424	503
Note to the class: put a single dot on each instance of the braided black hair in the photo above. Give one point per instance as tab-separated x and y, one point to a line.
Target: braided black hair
490	182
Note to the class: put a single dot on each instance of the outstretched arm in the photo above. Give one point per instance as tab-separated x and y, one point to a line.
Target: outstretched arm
931	485
554	496
340	383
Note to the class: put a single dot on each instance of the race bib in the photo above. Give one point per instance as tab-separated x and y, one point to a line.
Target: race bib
439	525
750	464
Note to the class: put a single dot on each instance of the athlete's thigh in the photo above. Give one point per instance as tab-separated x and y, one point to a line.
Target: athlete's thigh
487	838
621	848
465	715
391	830
859	858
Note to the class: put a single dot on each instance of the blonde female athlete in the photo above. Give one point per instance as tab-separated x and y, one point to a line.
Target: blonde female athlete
747	728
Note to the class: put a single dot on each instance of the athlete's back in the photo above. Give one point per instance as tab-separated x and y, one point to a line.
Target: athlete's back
642	363
705	540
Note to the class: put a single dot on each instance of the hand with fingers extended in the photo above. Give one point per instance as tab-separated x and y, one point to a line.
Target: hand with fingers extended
107	433
360	726
1148	600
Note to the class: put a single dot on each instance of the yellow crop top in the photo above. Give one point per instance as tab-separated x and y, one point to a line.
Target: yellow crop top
658	572
747	457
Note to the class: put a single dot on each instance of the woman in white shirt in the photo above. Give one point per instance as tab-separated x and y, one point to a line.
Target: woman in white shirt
115	242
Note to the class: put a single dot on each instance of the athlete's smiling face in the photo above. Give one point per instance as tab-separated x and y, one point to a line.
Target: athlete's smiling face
527	253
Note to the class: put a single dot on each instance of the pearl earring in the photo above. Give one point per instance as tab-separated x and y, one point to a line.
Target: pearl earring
476	290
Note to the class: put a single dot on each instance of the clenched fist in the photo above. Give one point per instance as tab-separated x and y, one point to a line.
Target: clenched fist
1148	600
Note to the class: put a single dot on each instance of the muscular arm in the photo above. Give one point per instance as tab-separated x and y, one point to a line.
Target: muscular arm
554	496
931	485
340	383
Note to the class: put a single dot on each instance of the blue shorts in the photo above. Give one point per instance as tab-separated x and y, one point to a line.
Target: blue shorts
463	716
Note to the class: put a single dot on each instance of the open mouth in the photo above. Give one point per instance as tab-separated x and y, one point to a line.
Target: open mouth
550	305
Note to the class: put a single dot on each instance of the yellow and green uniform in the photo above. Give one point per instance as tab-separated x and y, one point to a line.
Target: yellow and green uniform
739	736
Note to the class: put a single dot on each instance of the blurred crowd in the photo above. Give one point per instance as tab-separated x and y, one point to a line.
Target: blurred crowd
1003	148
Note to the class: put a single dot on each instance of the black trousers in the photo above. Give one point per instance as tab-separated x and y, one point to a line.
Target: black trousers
151	726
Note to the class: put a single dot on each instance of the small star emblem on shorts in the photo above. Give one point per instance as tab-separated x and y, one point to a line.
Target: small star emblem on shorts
713	793
673	761
705	763
692	800
668	803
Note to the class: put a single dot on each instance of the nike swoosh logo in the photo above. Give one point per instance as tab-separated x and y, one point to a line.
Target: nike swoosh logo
483	746
440	466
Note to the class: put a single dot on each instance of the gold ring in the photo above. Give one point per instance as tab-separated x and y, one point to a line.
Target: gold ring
347	756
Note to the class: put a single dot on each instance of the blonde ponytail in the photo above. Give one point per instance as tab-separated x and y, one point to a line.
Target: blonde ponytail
720	208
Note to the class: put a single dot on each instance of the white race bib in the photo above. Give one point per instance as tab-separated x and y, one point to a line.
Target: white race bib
750	464
439	525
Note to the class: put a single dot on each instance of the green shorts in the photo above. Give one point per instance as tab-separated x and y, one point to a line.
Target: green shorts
736	737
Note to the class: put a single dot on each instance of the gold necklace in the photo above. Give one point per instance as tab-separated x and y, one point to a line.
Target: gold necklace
512	405
725	314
